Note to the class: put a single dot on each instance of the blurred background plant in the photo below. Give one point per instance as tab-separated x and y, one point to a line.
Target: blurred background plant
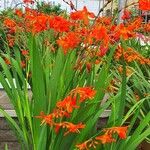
49	8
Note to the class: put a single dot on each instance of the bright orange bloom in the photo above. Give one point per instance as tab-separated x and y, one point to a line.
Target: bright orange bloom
59	113
147	27
106	138
63	109
144	4
39	23
130	55
124	32
129	71
103	51
87	144
23	64
68	104
9	23
24	52
59	24
84	93
31	12
18	12
7	61
48	119
137	97
83	146
99	33
126	15
11	40
57	127
105	20
69	41
135	25
121	131
72	128
88	66
82	15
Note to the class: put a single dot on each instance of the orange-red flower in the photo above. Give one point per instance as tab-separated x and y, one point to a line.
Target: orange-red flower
69	41
88	66
7	61
131	55
31	12
105	20
126	15
11	40
124	32
59	24
83	146
82	15
103	51
91	143
99	33
144	4
18	12
60	113
9	23
24	52
48	119
106	138
147	27
39	23
68	104
121	131
129	71
84	93
72	128
135	25
23	64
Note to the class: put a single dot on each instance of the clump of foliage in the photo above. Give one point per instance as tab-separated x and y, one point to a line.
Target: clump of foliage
49	8
70	63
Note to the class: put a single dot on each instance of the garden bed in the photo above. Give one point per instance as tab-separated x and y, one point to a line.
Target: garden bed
89	79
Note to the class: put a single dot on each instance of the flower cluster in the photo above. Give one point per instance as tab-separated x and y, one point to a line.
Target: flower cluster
129	71
144	4
107	137
101	32
65	107
130	55
77	30
80	47
69	41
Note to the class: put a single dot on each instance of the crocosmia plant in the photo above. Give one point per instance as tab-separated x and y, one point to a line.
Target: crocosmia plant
62	73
